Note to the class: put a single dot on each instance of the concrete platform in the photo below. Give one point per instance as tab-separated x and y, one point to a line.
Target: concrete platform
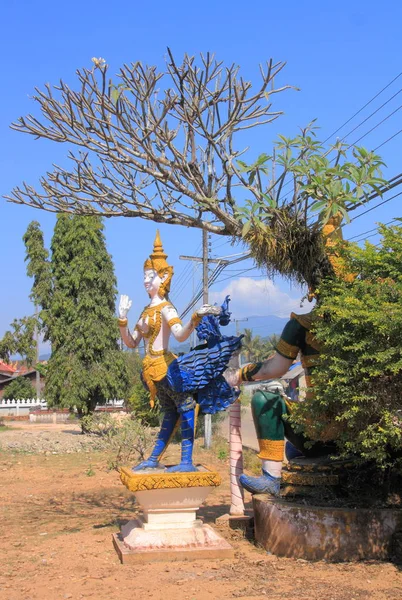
207	544
168	528
295	530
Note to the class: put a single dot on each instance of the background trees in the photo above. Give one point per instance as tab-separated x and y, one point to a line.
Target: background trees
75	291
19	389
255	348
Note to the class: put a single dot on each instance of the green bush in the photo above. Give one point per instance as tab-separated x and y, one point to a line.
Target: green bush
126	439
138	397
19	389
358	381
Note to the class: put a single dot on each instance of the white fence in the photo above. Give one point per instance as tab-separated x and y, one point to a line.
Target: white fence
23	407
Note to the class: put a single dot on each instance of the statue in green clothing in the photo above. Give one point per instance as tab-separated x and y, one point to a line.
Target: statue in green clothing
270	405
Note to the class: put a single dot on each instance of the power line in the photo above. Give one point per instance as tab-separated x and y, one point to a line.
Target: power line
392	183
361	123
239	273
362	235
363	107
375	126
212	278
371	115
376	206
388	140
182	279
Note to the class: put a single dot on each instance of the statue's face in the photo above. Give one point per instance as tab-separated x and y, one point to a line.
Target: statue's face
152	282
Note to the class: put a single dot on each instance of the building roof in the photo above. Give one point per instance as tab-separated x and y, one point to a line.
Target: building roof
7	368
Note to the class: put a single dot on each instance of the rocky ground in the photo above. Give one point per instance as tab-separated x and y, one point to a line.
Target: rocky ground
47	439
58	512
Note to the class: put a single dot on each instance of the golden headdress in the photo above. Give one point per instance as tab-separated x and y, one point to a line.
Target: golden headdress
332	234
157	262
333	238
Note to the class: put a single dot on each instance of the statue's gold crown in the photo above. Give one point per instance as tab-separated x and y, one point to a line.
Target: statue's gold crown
157	262
332	234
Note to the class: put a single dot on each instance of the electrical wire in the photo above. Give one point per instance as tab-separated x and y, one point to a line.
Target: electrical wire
376	206
375	126
181	280
371	115
238	274
212	278
363	107
388	140
362	235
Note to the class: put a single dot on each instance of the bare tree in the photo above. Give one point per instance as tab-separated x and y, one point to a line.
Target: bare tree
165	146
156	145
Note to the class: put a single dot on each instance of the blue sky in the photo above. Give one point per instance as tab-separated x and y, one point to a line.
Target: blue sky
339	54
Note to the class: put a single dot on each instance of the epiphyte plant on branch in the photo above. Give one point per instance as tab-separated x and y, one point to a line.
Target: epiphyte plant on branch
165	146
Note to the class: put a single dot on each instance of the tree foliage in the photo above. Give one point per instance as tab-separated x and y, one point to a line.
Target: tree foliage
168	146
20	340
20	388
86	366
255	348
138	397
75	291
358	381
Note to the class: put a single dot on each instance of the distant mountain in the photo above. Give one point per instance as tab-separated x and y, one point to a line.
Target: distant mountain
262	326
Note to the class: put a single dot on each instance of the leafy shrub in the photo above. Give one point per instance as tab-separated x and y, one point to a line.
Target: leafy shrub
19	389
126	439
138	397
358	381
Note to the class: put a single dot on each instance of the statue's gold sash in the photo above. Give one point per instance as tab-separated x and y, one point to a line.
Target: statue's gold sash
154	368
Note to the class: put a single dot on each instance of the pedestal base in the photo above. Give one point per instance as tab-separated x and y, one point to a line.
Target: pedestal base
168	528
138	545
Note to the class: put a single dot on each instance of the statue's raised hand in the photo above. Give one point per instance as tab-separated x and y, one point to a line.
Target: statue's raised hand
208	309
124	306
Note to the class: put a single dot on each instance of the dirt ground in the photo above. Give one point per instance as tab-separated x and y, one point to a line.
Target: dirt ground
57	516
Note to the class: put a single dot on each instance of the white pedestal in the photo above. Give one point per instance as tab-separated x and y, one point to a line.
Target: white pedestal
169	529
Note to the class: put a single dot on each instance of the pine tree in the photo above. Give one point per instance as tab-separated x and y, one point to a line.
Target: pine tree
76	291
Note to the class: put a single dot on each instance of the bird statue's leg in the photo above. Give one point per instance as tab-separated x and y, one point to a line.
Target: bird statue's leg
188	421
170	420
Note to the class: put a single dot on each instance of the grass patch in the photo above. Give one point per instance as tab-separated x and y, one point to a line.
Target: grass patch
5	428
251	462
220	447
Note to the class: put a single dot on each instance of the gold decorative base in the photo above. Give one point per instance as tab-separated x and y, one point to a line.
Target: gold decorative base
137	481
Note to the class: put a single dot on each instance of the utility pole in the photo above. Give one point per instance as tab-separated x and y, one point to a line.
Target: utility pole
37	374
236	446
205	255
205	262
222	263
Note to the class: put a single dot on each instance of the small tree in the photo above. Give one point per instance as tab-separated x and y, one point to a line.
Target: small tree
20	340
358	380
86	367
19	389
